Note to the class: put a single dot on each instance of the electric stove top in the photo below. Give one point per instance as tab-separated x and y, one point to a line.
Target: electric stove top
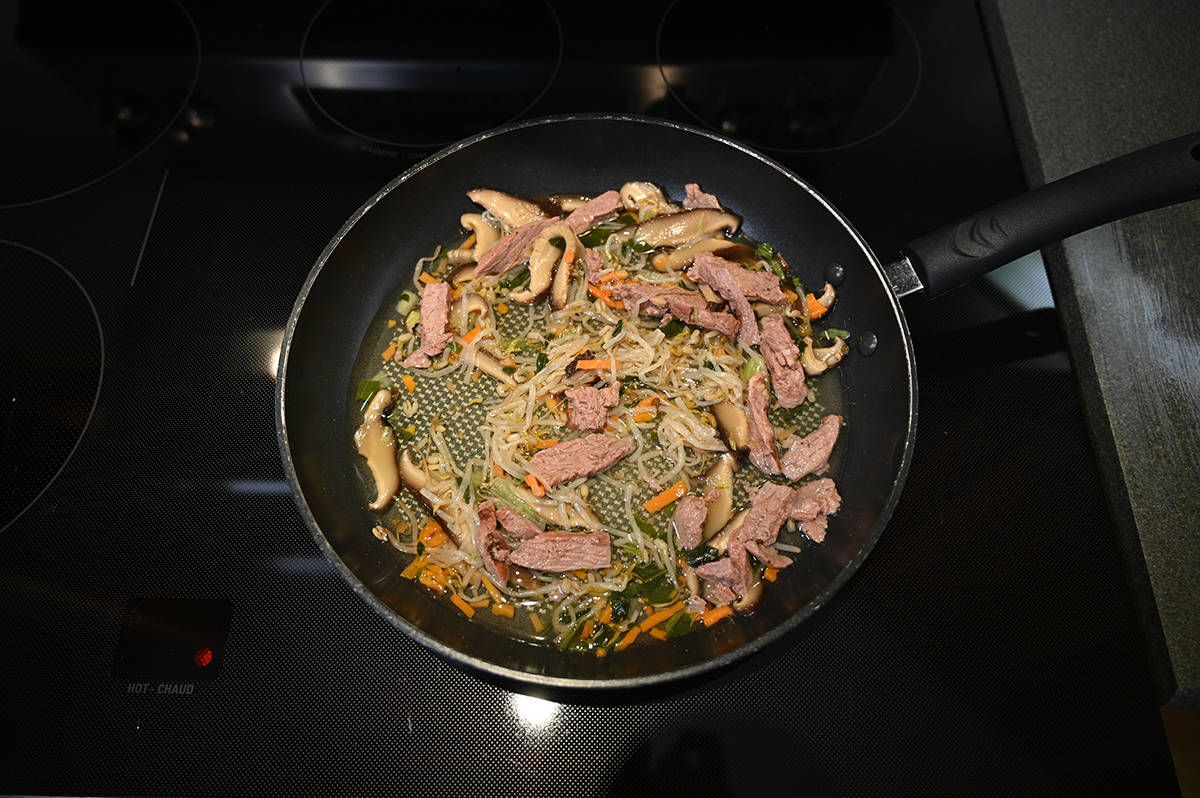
170	174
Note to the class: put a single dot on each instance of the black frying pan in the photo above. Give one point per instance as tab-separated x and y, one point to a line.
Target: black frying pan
348	293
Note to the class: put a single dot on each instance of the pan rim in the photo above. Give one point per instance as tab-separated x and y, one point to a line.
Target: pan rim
615	685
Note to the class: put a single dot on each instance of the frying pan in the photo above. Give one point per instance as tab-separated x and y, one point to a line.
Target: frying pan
347	297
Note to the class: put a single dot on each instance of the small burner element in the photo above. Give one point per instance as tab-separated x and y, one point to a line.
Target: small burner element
53	365
427	74
824	77
86	88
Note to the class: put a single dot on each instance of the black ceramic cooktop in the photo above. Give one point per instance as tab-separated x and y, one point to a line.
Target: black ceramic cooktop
171	173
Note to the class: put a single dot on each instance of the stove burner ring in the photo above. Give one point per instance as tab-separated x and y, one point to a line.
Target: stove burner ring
909	39
386	141
110	171
28	400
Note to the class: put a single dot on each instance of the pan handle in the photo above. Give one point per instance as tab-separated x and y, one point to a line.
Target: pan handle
1157	176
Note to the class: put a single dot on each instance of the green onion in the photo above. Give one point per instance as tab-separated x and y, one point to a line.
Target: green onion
408	301
366	390
595	237
617	329
752	366
645	526
673	328
542	360
558	241
700	555
516	279
410	321
679	624
504	492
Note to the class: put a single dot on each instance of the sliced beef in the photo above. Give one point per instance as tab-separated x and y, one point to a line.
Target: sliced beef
819	497
769	508
762	434
690	514
583	217
783	359
557	550
724	323
755	285
723	574
696	605
587	408
578	458
695	198
765	553
516	524
815	529
657	301
512	250
435	312
708	269
593	263
492	547
810	454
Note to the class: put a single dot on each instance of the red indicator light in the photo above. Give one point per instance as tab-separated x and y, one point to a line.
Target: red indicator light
203	657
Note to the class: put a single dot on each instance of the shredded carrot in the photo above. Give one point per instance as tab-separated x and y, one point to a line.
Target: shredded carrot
580	573
658	634
771	574
536	621
470	336
649	401
409	383
587	629
480	603
656	618
433	535
497	470
617	276
413	568
504	609
605	614
502	308
457	292
715	614
602	652
389	353
604	294
433	577
594	364
491	589
644	416
546	443
466	608
791	295
569	257
535	485
427	278
470	242
391	324
628	639
669	495
815	309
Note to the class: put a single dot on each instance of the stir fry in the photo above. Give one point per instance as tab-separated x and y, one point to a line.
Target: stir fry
603	414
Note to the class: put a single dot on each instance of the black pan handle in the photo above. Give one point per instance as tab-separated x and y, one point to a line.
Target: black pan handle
1157	176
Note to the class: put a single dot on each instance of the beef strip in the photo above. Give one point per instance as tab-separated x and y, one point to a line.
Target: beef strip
558	550
580	457
690	514
759	285
435	312
810	454
819	497
769	507
516	524
695	198
687	306
492	547
783	359
593	263
710	272
765	553
721	576
762	434
588	407
815	529
585	216
512	250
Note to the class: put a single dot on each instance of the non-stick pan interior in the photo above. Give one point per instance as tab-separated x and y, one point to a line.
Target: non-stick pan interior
375	252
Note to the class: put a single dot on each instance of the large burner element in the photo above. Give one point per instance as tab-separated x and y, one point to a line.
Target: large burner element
427	74
87	87
53	362
822	77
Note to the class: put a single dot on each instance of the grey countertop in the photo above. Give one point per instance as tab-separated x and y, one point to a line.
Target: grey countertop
1085	81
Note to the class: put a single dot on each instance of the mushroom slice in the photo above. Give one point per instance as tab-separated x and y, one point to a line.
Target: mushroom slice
415	478
731	419
818	361
488	363
721	541
678	229
748	602
646	200
464	307
543	259
511	211
561	285
485	237
678	258
719	478
376	441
